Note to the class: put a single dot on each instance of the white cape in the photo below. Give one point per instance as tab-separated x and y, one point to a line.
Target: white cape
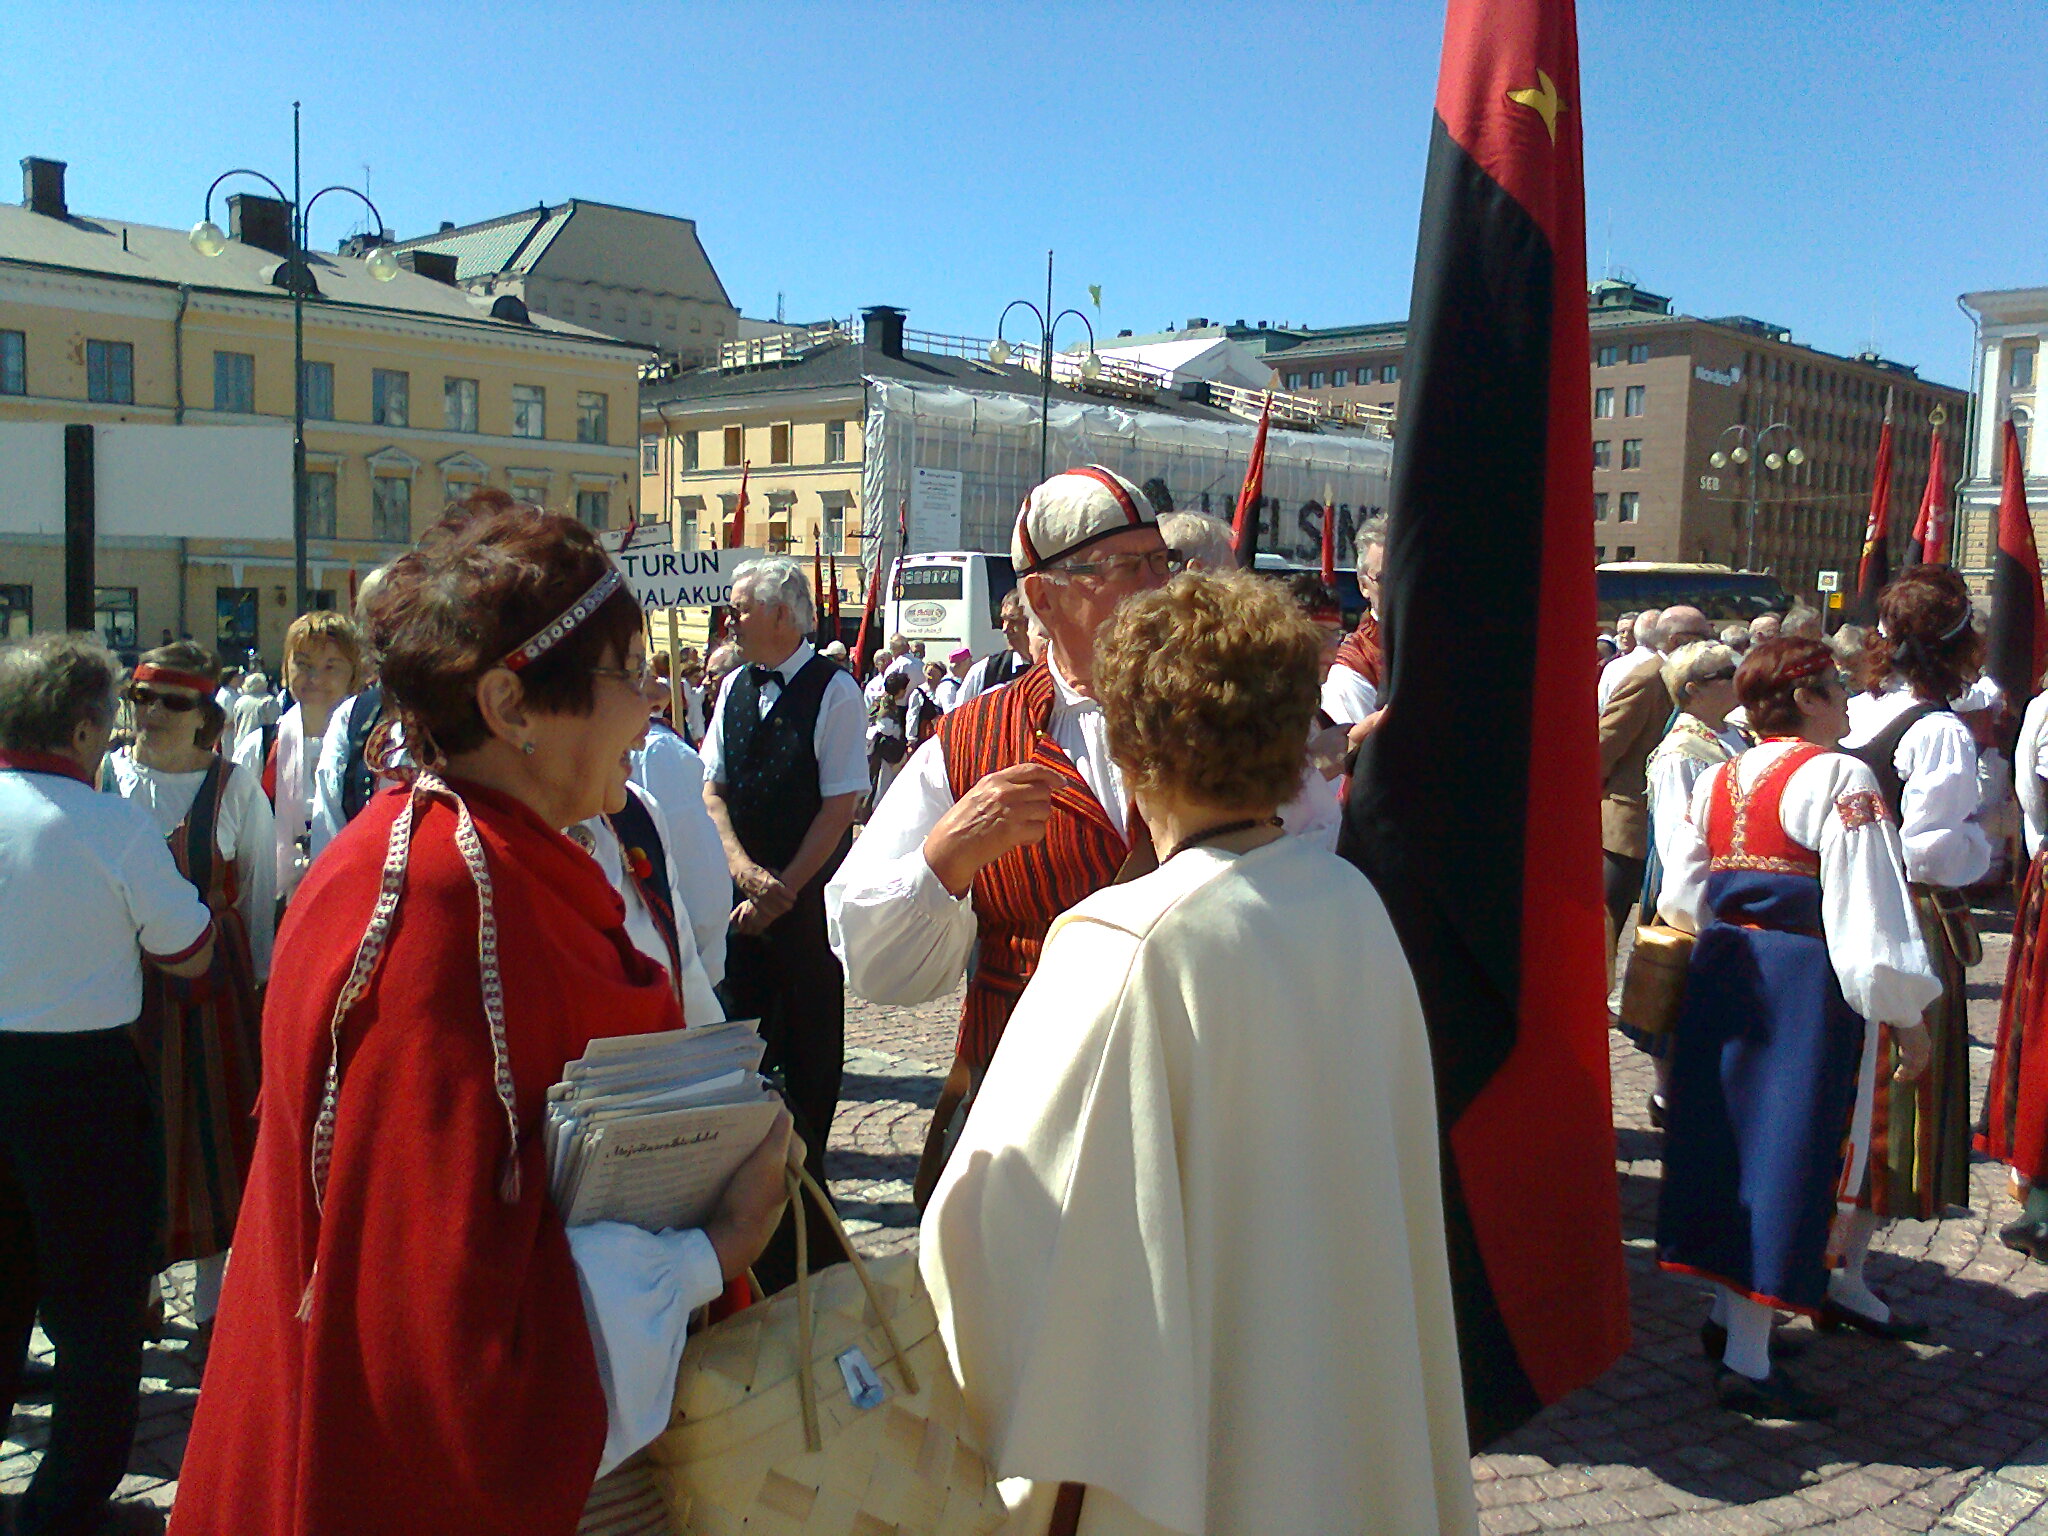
1189	1250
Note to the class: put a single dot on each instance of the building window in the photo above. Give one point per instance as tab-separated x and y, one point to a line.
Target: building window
1599	506
17	610
1318	380
1339	378
1601	454
778	443
1633	406
110	372
833	527
13	363
317	381
2023	429
594	509
1390	373
1639	351
320	503
835	442
234	382
113	617
1631	453
1625	552
593	417
458	398
1606	357
686	524
1603	403
735	446
1631	504
1294	381
2021	375
391	509
234	621
650	457
390	397
689	442
1599	554
529	411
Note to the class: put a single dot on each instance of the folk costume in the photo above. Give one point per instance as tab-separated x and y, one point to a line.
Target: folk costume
1351	688
343	778
1925	763
1807	946
670	770
285	764
2015	1123
1167	1118
199	1039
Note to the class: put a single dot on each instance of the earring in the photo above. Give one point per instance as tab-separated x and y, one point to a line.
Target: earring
526	747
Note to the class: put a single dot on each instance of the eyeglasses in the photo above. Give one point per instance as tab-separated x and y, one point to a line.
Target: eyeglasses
1159	562
1722	675
640	680
141	696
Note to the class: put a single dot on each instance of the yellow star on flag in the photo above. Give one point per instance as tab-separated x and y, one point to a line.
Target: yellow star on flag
1542	100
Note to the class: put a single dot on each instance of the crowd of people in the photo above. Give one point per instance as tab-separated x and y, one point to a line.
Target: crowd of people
285	982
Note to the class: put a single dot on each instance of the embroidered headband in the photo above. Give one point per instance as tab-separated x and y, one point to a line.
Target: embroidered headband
566	624
1813	666
1969	613
145	673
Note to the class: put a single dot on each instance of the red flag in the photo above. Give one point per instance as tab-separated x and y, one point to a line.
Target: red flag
736	530
1329	541
832	596
1476	814
1874	572
2018	651
1931	527
818	583
1244	521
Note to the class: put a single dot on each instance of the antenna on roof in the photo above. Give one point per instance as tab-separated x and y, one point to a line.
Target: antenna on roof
778	306
366	178
1607	256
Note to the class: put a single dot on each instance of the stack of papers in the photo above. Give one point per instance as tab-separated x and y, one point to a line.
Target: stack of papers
648	1129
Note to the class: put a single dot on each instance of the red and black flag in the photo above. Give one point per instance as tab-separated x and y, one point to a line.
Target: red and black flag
1930	529
1244	521
2019	617
736	528
818	587
1874	572
1479	826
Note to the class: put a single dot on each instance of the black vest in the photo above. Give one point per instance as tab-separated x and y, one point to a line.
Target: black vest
358	783
1881	751
770	763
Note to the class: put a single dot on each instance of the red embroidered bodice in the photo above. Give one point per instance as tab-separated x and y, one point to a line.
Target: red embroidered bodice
1746	827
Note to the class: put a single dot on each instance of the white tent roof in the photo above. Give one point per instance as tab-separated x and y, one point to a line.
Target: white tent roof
1215	358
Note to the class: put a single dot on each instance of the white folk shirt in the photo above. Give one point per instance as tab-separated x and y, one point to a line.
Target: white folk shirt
2030	767
902	936
1937	759
1672	775
673	775
693	988
1830	805
88	888
245	833
838	740
1348	695
297	763
975	683
873	693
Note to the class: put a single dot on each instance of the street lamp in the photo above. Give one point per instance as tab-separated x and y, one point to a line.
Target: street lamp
207	240
1748	447
1000	352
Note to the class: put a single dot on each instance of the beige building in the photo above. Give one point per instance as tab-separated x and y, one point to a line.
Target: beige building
2012	325
637	276
417	390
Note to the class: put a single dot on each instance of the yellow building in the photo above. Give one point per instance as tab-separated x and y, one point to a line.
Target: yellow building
416	392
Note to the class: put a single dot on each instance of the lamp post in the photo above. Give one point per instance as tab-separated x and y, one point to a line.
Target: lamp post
1748	450
207	240
999	352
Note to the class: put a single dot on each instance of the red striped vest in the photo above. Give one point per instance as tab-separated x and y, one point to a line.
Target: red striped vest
1017	896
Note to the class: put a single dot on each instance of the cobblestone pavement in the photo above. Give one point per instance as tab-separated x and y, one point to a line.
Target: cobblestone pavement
1949	1436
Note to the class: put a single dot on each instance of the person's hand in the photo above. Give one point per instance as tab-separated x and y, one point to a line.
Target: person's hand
1006	810
752	1204
1366	727
1916	1052
764	890
750	918
1327	750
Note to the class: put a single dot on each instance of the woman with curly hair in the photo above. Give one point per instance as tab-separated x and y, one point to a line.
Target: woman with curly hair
1216	1068
1923	654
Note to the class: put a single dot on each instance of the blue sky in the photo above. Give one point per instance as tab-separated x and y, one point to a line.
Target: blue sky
1845	169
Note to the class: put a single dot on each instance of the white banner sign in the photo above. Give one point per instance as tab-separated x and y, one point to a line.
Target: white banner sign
934	510
682	578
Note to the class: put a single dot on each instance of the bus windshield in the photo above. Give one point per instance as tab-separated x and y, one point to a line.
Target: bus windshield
1716	591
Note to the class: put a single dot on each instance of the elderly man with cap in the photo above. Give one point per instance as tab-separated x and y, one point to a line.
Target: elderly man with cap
1015	811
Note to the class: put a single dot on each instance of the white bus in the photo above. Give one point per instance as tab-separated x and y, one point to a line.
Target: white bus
948	600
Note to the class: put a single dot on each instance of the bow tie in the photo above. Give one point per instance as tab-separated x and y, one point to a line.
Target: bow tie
763	676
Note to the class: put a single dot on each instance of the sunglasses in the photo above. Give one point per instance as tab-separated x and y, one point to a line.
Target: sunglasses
142	695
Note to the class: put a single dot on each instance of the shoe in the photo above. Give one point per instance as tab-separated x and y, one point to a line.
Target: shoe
1777	1396
1714	1343
1657	1108
2028	1237
1834	1317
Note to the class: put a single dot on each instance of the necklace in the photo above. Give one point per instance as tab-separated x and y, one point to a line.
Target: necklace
1213	834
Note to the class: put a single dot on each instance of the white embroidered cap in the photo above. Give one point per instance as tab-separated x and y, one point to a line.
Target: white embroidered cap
1073	510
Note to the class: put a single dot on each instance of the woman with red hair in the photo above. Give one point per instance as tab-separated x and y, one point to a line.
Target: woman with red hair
1807	950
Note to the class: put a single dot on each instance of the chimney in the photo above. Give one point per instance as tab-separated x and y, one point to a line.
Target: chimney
438	265
882	329
263	222
446	225
42	187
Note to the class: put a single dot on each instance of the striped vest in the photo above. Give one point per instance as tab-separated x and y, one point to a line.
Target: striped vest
1017	896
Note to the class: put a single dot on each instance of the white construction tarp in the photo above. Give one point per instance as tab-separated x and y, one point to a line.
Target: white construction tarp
197	482
992	442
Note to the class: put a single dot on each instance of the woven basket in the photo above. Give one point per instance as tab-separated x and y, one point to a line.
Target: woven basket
1653	985
626	1502
759	1446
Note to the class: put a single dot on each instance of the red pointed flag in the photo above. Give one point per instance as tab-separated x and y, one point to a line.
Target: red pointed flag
1475	809
1874	571
1930	529
818	586
1244	521
1329	540
736	529
2018	650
